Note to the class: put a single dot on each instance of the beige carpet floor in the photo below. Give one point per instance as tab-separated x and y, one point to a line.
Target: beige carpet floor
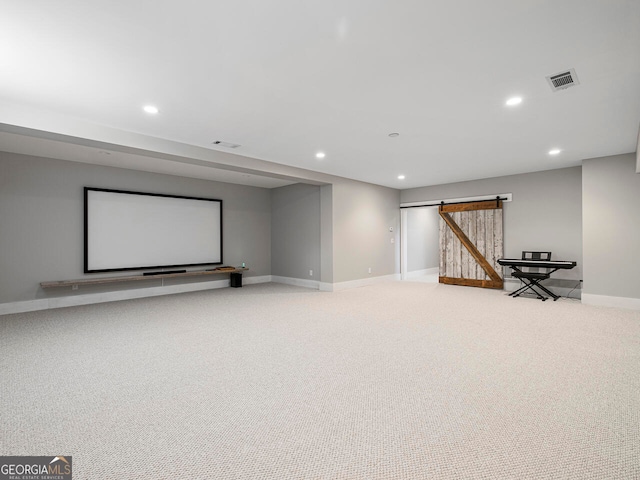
401	380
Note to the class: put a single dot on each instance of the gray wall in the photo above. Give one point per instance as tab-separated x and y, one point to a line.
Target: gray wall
545	214
41	221
339	231
638	152
611	226
295	231
423	247
362	216
345	225
326	233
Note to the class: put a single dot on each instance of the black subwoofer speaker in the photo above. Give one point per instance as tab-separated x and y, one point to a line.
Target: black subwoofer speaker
236	280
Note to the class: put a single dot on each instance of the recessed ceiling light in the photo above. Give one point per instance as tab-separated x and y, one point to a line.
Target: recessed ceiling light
151	109
514	101
555	151
320	155
400	177
393	135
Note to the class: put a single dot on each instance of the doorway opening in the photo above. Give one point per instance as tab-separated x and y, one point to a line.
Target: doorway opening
420	244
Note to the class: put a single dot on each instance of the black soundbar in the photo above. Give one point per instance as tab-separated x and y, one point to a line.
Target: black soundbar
163	273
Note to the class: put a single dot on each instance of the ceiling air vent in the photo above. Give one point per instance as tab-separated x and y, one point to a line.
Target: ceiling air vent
225	144
563	80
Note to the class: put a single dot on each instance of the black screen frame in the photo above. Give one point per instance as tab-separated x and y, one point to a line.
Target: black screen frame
146	267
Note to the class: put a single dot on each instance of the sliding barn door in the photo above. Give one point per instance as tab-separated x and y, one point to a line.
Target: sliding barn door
471	244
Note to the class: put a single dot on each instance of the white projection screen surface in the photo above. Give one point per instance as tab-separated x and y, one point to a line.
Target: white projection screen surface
132	231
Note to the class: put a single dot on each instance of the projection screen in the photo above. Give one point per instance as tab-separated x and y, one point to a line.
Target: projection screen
133	230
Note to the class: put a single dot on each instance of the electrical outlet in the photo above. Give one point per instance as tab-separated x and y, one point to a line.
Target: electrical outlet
311	273
369	269
393	240
74	287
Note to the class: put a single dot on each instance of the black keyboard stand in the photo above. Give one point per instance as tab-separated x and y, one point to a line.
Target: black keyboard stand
532	282
527	269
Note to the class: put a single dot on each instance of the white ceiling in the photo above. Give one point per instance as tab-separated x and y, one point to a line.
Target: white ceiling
287	78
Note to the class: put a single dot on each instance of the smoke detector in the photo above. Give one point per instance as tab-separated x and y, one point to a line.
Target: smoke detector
220	143
563	80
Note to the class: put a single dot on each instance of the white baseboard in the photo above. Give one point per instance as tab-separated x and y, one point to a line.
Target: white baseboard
257	279
607	301
91	298
24	306
298	282
362	282
325	287
333	287
422	273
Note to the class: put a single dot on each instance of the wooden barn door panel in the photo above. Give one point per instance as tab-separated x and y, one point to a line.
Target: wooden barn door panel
471	243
